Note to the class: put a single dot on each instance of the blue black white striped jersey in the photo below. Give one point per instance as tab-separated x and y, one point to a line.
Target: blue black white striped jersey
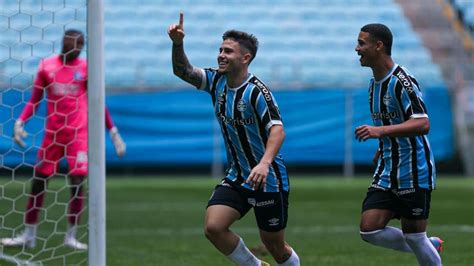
246	115
404	162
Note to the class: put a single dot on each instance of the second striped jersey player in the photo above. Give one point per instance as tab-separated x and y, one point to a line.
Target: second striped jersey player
405	174
403	162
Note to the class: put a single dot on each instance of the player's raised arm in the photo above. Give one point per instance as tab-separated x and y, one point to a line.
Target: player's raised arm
181	66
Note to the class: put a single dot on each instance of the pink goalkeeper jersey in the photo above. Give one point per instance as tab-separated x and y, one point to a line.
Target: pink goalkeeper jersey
66	96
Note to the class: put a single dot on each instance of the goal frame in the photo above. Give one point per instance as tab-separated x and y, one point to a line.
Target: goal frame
96	127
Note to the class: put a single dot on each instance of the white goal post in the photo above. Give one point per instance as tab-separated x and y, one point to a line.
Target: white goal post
96	99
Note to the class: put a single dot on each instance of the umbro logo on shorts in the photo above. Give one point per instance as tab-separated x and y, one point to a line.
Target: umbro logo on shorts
417	211
273	221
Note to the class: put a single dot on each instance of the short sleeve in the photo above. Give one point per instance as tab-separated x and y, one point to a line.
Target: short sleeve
208	76
267	109
412	102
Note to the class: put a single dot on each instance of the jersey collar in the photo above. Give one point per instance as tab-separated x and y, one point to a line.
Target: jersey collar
388	75
249	76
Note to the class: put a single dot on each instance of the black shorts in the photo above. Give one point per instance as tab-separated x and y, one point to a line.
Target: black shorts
413	204
270	208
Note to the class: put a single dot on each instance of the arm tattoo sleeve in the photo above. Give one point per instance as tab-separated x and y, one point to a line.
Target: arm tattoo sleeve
183	69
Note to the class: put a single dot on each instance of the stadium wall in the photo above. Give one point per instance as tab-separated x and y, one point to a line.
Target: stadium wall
179	128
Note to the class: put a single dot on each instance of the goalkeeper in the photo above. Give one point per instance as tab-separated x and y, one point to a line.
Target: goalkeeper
64	78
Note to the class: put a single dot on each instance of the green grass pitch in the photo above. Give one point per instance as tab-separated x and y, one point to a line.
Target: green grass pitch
159	221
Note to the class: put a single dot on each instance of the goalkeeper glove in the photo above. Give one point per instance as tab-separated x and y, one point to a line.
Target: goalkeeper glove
118	142
19	133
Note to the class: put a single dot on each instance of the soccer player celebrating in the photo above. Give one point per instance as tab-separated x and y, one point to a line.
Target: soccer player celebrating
64	77
405	174
253	133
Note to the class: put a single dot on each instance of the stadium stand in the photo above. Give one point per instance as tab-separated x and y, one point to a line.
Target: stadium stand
301	44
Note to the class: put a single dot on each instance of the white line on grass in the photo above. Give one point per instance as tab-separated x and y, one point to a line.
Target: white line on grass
299	230
16	260
155	206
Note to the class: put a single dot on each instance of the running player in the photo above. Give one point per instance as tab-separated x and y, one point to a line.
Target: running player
253	134
405	174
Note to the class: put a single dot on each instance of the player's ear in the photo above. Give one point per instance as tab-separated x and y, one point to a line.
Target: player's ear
379	46
247	58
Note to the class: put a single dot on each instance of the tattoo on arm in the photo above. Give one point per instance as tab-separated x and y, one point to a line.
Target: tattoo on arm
182	68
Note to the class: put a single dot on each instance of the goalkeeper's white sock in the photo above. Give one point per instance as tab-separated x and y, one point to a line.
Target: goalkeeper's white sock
293	260
30	231
389	237
71	231
242	256
423	249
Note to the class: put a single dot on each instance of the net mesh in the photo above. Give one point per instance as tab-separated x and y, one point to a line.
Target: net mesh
31	31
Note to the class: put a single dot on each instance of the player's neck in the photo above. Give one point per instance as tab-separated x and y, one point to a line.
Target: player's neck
65	60
382	68
234	80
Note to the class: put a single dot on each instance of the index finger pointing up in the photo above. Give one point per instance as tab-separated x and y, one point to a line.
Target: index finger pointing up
181	15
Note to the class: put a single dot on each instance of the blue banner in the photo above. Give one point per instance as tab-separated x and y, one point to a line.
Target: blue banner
179	128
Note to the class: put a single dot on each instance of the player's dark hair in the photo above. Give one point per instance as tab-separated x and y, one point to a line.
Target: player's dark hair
73	32
380	32
246	40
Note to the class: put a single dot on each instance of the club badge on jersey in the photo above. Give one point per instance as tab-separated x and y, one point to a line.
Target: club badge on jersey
78	76
242	106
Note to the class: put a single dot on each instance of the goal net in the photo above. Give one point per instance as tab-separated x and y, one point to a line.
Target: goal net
30	32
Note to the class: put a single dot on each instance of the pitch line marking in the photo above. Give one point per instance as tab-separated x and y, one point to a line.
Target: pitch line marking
17	261
460	228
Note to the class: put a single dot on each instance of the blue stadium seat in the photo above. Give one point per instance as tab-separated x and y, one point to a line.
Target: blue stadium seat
295	36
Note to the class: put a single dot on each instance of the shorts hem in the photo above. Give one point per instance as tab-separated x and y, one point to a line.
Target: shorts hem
272	230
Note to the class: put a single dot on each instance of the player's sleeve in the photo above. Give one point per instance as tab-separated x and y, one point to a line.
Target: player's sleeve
267	109
109	123
36	95
412	102
208	75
